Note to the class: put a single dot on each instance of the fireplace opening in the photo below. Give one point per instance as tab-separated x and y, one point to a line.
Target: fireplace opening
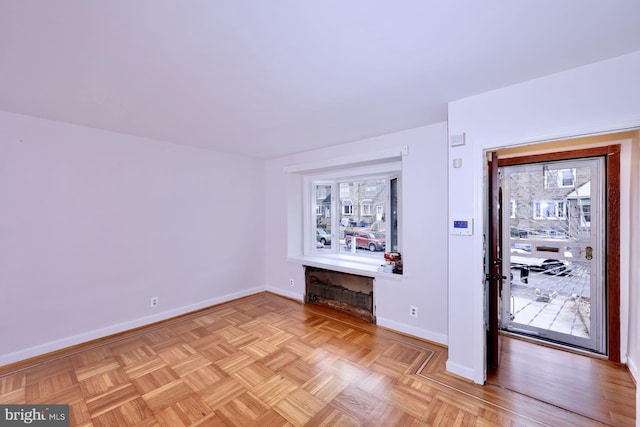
347	292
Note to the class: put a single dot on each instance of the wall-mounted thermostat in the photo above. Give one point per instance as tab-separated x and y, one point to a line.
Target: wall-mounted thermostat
461	226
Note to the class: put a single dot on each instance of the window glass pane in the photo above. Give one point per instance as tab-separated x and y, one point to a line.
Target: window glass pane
363	231
323	218
394	247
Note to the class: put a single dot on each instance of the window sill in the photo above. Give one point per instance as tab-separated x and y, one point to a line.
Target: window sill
345	264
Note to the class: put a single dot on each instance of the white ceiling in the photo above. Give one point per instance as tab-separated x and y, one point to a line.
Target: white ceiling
269	78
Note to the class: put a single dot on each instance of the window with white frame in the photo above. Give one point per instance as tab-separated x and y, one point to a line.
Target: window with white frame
360	227
366	209
559	178
549	209
566	178
344	189
585	212
561	209
347	207
323	216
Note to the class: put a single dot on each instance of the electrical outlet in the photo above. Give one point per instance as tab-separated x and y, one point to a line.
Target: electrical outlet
291	282
154	302
413	311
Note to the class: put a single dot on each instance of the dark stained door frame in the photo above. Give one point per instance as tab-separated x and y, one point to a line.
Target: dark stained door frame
612	229
494	266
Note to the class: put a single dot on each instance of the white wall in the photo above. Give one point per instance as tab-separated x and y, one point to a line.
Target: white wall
93	223
424	238
597	98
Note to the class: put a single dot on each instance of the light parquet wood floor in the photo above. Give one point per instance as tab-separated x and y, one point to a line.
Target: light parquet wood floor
268	361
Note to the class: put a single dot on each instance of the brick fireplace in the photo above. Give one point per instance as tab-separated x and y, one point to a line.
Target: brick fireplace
347	292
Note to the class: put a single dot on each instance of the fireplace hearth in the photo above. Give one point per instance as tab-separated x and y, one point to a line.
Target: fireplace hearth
351	293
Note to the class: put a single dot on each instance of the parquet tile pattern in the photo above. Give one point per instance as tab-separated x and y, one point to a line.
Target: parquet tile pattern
268	361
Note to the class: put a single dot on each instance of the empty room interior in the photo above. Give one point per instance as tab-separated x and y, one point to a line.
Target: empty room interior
237	213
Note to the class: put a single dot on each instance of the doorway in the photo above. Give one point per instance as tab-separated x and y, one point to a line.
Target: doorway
529	362
553	252
563	259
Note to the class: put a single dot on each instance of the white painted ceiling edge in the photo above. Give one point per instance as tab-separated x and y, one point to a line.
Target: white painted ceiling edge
268	79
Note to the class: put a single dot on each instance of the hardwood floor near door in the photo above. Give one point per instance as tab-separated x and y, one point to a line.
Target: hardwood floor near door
269	361
595	387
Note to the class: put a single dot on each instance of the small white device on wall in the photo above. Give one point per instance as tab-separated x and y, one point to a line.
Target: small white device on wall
461	226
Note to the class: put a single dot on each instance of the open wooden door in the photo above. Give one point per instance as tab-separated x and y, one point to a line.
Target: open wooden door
494	264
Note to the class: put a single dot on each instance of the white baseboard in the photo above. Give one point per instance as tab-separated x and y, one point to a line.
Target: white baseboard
84	337
633	368
461	371
412	330
279	291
